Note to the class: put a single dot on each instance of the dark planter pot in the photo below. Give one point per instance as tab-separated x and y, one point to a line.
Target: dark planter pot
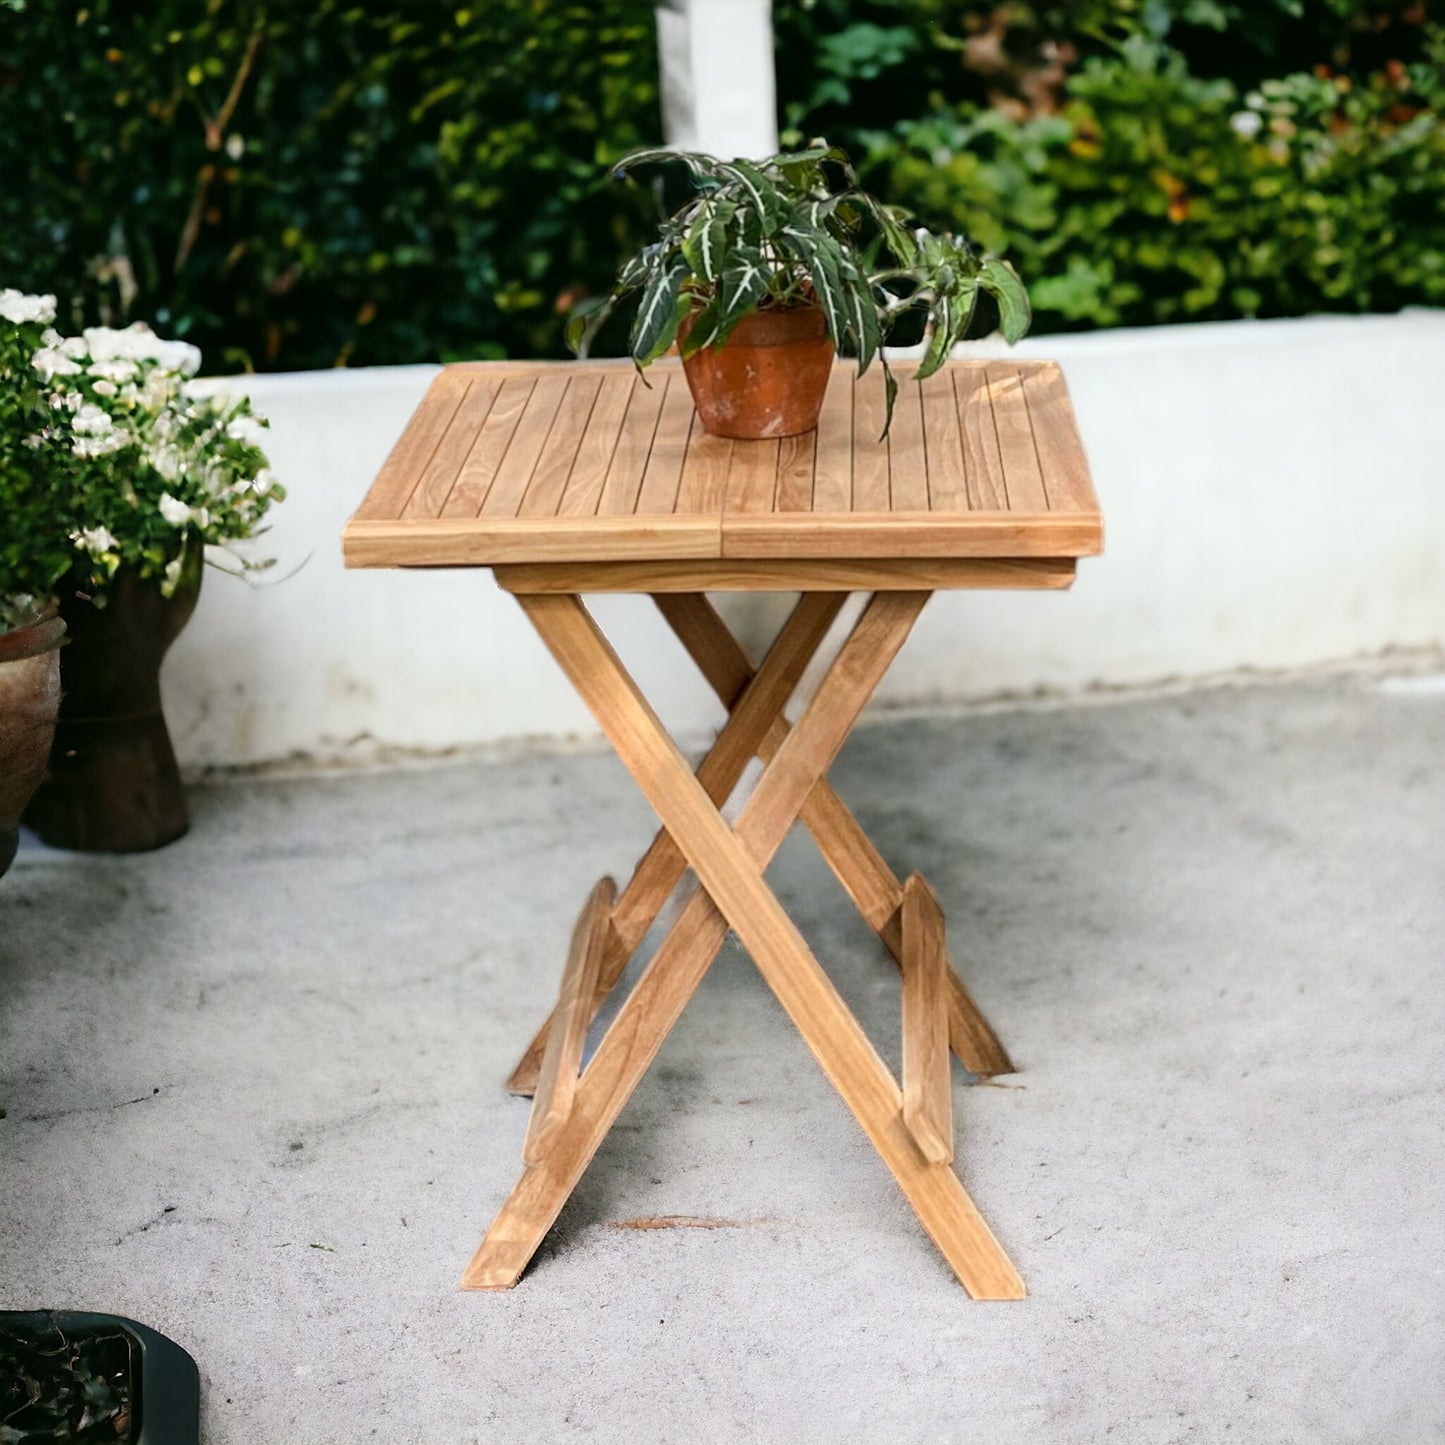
768	379
72	1375
29	700
113	784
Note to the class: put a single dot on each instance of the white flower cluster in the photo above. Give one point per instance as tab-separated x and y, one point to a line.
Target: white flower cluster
173	456
16	306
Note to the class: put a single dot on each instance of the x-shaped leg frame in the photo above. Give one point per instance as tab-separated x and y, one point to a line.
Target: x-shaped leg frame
911	1126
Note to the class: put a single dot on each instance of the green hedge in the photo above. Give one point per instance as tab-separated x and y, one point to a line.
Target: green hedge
301	185
1150	162
377	181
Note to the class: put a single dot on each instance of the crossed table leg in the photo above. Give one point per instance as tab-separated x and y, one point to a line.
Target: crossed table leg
911	1126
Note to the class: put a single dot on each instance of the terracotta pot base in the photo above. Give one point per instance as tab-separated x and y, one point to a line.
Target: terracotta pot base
767	380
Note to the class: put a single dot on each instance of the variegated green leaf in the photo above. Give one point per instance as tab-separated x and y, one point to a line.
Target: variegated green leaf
761	193
744	283
1002	282
656	312
862	313
703	329
705	245
697	162
940	340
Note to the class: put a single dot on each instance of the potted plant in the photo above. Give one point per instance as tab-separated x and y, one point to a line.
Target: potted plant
35	551
772	267
161	472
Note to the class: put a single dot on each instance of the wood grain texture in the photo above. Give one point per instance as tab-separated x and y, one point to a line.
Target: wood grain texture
729	866
754	705
847	849
983	460
562	1058
416	446
831	574
927	1081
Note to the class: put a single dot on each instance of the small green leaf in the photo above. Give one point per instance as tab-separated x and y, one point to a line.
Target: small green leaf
582	324
1001	282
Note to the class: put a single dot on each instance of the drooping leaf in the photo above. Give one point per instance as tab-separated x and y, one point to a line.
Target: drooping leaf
890	395
863	320
819	254
940	340
1002	282
656	323
698	162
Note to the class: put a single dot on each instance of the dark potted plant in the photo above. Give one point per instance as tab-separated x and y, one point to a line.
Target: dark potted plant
35	551
162	471
773	267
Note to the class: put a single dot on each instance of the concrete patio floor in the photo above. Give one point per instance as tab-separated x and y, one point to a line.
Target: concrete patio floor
253	1097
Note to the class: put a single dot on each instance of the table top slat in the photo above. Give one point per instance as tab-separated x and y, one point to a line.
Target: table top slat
907	455
1023	478
578	462
833	456
509	486
752	484
663	473
982	460
947	476
477	472
703	487
797	472
414	449
634	445
554	466
460	436
871	492
1061	452
594	454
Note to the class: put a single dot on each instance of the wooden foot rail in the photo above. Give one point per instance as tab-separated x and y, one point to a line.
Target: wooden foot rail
927	1081
557	1084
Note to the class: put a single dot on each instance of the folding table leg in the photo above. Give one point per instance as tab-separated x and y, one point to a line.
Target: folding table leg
754	705
858	865
729	866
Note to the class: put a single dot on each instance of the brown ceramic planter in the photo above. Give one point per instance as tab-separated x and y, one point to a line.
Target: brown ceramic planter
767	379
113	784
29	700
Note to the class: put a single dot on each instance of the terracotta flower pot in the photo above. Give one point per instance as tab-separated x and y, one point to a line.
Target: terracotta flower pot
113	784
29	700
767	379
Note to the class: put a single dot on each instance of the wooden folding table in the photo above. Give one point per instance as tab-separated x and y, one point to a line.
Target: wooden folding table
576	477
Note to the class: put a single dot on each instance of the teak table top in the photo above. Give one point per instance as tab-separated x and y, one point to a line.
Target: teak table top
583	462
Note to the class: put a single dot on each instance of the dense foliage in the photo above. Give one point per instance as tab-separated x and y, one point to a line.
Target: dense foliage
795	230
293	186
1149	160
371	180
35	548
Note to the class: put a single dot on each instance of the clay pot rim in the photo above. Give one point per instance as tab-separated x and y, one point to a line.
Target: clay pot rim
800	322
33	639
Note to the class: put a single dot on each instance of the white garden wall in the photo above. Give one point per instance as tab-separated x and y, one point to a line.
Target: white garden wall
1274	497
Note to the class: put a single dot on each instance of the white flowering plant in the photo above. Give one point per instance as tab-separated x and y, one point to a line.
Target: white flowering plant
161	469
36	516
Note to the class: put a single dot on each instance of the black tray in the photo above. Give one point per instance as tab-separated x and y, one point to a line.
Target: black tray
74	1376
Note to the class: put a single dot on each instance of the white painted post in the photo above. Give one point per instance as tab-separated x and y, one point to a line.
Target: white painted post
718	93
